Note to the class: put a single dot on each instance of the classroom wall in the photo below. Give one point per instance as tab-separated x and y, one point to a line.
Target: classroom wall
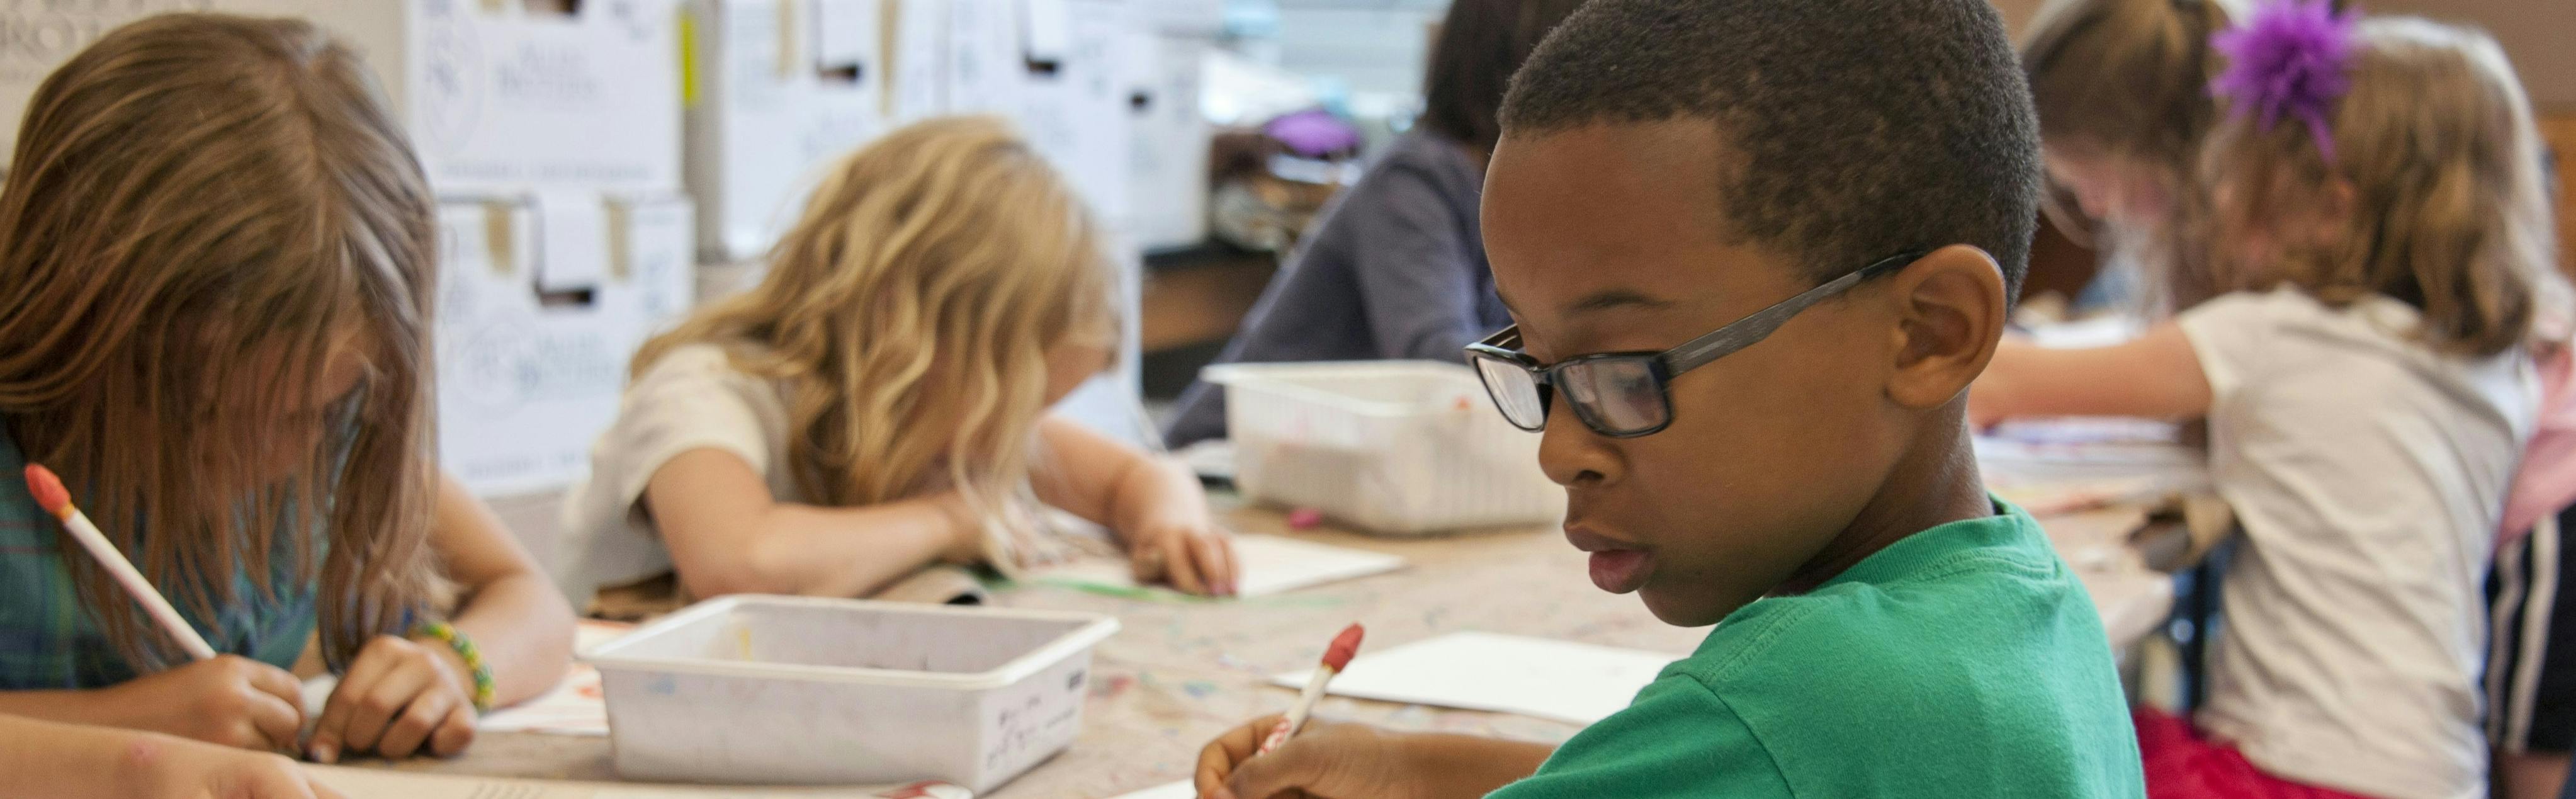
2539	35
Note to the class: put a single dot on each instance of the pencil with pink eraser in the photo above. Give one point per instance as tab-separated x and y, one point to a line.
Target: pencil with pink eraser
1336	657
50	494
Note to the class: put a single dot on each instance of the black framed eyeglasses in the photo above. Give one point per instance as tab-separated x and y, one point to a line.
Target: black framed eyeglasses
1628	394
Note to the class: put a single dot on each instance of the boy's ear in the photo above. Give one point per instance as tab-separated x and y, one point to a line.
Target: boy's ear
1950	311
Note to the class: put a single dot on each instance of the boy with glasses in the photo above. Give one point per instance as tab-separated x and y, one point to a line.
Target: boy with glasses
1756	251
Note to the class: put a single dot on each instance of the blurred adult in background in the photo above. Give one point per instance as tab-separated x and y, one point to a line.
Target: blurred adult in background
1396	267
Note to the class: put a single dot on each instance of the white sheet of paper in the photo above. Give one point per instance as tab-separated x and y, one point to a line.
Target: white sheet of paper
1271	564
2078	463
2099	331
574	707
1177	790
2089	449
388	784
1561	680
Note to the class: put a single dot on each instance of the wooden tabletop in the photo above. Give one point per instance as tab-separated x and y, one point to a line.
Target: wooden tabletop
1180	672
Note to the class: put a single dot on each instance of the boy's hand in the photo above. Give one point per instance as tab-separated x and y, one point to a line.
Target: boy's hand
228	700
174	769
1193	556
398	697
1324	761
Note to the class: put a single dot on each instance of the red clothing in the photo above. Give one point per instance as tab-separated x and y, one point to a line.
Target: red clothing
2182	765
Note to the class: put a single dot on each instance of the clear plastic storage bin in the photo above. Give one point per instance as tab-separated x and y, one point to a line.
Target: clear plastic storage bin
761	689
1394	447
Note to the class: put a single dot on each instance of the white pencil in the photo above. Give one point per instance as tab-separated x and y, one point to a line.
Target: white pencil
1336	658
51	495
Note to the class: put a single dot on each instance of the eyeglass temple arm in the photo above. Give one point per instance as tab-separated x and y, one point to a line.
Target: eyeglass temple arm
1744	332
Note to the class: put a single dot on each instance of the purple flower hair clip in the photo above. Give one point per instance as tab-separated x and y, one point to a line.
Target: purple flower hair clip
2289	60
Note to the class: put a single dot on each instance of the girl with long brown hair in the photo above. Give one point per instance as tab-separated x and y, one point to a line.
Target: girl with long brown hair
216	275
878	404
2122	89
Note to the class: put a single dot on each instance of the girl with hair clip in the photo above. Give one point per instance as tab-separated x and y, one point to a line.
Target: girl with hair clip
2379	238
878	404
2122	92
2122	89
216	272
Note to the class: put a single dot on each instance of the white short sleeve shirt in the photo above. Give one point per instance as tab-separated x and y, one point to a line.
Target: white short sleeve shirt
693	398
2369	471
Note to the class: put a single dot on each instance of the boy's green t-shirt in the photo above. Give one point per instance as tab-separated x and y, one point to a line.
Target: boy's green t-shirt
1964	660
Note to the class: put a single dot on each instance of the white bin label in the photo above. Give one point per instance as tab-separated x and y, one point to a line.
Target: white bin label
1034	718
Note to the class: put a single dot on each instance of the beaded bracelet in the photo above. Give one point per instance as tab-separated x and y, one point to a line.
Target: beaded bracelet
464	646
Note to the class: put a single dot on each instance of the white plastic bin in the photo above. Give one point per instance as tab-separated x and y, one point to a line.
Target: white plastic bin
1394	447
762	689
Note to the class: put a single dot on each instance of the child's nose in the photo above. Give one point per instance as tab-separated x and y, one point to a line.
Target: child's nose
1573	455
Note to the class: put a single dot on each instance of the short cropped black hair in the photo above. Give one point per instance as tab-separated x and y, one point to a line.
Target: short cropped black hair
1855	129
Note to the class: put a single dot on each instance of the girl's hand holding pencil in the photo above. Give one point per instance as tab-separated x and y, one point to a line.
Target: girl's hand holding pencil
397	697
229	700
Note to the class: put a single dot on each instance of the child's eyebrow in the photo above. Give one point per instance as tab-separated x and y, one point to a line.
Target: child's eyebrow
1613	299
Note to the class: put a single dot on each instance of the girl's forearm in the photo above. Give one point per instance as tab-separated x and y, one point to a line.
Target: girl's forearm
71	707
728	535
518	624
839	552
70	761
517	620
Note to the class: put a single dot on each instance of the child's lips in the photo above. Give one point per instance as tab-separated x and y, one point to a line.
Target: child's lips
1618	567
1620	571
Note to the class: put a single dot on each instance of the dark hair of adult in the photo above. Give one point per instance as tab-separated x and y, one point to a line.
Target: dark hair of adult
1481	43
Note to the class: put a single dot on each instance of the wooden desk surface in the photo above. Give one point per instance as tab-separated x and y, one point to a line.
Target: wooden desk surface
1180	672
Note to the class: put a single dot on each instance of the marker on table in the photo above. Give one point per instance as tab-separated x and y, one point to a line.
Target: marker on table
49	493
1335	657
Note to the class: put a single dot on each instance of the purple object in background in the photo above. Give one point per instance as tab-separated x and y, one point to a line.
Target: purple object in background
2288	60
1313	133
